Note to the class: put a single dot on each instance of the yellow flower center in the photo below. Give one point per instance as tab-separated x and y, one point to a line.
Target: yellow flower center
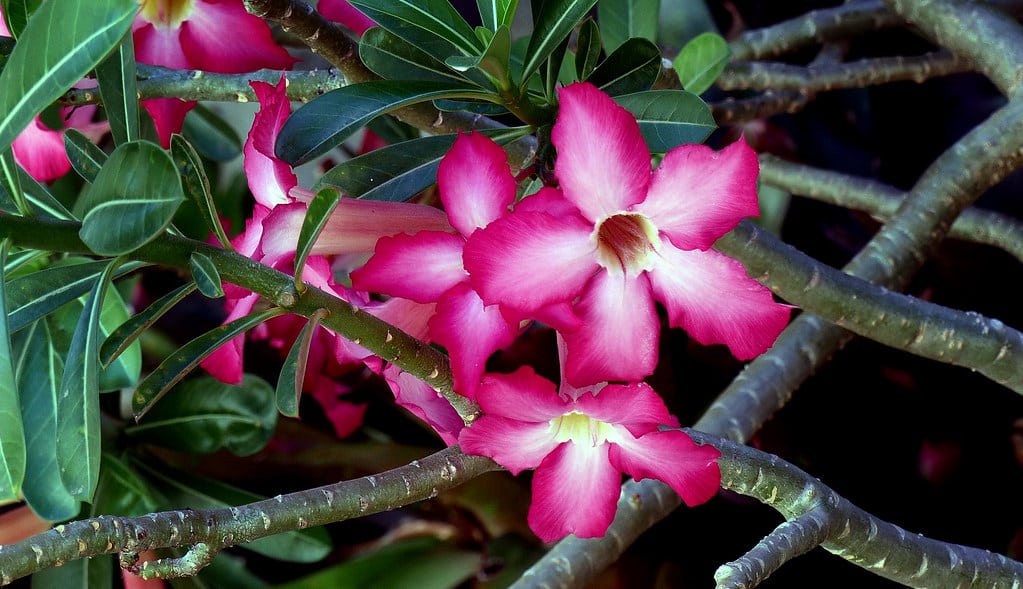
166	13
581	429
626	242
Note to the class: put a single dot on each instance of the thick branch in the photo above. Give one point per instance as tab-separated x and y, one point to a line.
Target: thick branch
215	529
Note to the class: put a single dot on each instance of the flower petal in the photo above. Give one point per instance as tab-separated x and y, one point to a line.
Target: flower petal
40	150
619	333
225	363
671	457
425	403
356	225
168	116
710	296
269	178
418	267
635	406
222	37
530	260
697	195
407	315
343	12
515	445
470	332
522	395
603	164
575	491
475	182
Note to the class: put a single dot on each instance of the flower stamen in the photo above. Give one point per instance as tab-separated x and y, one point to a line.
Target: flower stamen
626	242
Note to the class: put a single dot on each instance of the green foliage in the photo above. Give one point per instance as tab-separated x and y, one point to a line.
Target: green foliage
587	51
86	157
432	25
129	330
116	76
633	67
553	21
497	13
391	57
196	185
12	434
669	118
211	135
292	377
622	20
17	13
701	61
205	275
316	216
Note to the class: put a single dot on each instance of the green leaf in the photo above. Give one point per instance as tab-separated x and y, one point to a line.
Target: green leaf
89	573
431	25
621	20
186	489
121	491
669	118
487	109
132	200
701	61
129	331
393	58
327	120
203	415
76	35
495	14
196	184
117	85
553	22
206	275
211	135
397	172
633	67
37	196
86	157
491	69
316	216
177	366
12	433
10	181
16	14
78	442
551	71
289	383
39	368
40	293
587	50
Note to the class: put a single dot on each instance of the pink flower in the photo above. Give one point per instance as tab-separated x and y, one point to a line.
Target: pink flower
476	187
616	238
580	442
211	35
343	12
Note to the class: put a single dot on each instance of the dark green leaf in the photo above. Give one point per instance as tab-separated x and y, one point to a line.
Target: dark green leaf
39	368
116	76
78	442
551	71
196	184
37	294
16	14
121	491
89	573
186	489
128	331
289	383
491	68
553	22
316	217
669	118
86	157
10	182
327	120
211	135
132	200
38	197
432	25
76	35
206	275
633	67
495	14
176	367
393	58
203	415
701	61
12	433
621	20
587	50
391	130
489	109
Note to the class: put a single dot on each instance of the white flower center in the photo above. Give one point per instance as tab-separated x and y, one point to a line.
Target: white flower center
581	429
166	13
626	242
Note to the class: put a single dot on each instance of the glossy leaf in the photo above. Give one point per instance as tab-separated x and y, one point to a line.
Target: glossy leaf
88	573
12	433
316	216
121	491
495	14
393	58
129	331
633	67
37	196
10	182
621	20
132	200
76	35
196	184
292	377
211	135
587	51
35	295
327	120
551	70
39	367
669	118
16	14
117	84
553	22
203	415
86	157
78	442
701	61
432	25
487	109
186	489
206	275
397	172
491	68
177	366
